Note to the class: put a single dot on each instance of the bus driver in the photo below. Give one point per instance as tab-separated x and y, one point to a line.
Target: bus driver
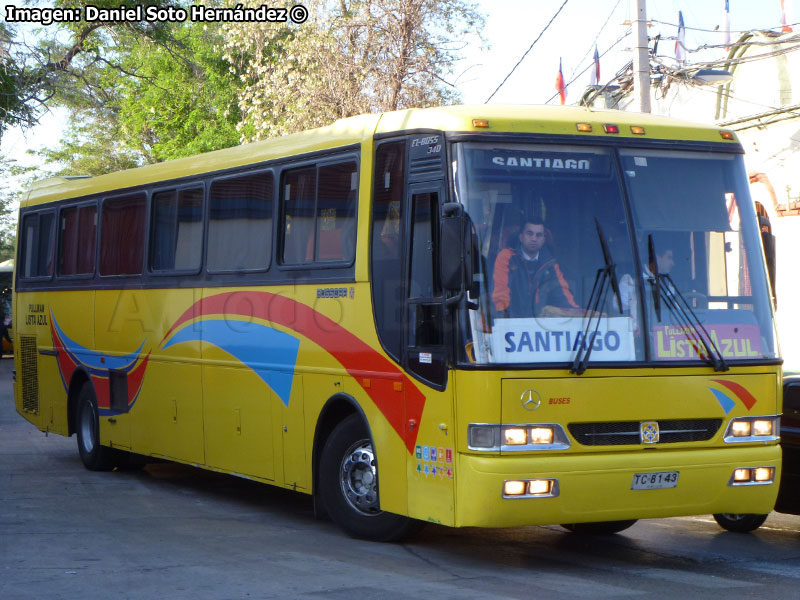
527	277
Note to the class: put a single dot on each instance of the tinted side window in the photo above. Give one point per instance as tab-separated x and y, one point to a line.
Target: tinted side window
76	255
240	223
299	193
37	245
386	244
319	222
422	281
122	235
336	218
177	230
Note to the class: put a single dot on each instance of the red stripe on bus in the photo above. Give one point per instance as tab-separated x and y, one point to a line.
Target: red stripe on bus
741	392
357	357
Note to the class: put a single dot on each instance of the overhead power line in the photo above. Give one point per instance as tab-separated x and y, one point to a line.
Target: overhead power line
594	41
779	26
527	51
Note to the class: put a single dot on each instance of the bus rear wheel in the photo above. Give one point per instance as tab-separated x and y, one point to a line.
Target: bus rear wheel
94	456
740	523
599	528
348	480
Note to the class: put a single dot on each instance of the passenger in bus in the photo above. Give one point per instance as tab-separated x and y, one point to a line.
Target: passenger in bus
527	278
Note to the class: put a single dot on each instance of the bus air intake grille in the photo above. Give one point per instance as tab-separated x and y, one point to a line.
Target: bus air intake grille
30	375
671	431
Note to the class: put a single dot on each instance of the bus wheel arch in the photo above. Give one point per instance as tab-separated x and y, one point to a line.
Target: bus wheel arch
79	379
346	475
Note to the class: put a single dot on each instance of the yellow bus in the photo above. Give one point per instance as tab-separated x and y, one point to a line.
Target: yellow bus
351	312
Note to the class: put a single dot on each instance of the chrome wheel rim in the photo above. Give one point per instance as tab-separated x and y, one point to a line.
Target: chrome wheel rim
358	477
87	428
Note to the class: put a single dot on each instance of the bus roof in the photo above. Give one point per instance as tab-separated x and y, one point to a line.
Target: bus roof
546	120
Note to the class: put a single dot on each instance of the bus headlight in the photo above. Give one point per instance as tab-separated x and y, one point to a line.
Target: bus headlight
517	438
753	429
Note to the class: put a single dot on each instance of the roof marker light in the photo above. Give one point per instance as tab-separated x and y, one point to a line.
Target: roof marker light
637	130
608	128
583	127
726	135
480	123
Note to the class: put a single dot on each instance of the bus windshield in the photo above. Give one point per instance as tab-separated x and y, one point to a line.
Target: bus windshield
631	255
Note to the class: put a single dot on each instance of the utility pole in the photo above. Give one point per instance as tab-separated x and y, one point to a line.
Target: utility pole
641	57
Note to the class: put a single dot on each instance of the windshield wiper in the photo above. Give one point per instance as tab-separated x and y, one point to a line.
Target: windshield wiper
693	328
605	279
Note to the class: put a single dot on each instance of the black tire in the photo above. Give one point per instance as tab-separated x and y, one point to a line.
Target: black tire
740	523
348	480
94	456
599	528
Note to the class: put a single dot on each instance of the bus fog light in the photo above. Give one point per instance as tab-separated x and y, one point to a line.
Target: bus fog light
740	428
514	488
762	427
764	474
539	487
514	436
482	437
741	475
541	435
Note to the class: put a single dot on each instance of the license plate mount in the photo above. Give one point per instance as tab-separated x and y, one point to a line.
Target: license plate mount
655	481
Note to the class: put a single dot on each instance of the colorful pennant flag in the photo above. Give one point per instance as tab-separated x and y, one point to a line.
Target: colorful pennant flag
562	89
595	76
726	26
786	27
680	41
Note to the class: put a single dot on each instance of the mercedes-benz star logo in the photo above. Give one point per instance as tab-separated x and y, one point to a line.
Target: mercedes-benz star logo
531	400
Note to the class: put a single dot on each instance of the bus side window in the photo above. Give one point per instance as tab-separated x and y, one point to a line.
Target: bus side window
335	218
386	244
76	253
240	223
299	190
122	235
37	247
176	241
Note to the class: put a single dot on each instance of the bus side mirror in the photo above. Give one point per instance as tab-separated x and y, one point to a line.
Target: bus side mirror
452	249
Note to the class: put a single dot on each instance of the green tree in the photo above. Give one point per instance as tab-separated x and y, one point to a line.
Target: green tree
350	57
154	102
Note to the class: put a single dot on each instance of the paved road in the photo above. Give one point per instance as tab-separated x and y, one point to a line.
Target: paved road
175	532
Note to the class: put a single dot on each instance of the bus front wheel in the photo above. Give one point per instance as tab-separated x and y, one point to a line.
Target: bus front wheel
740	523
94	456
348	482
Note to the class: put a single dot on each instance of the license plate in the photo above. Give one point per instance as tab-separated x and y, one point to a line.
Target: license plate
655	481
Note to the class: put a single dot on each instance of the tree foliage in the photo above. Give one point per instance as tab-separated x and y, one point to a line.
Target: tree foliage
350	57
155	102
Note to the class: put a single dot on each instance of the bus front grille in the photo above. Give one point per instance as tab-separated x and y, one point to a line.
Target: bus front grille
618	433
30	374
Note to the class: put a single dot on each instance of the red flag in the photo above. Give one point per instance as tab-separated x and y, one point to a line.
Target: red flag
786	28
562	89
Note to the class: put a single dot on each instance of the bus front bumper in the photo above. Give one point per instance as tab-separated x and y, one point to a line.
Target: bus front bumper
598	487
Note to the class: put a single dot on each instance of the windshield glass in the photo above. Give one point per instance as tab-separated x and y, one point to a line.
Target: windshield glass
551	233
697	228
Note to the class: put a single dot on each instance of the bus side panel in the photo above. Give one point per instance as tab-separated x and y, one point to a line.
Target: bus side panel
46	317
431	466
167	413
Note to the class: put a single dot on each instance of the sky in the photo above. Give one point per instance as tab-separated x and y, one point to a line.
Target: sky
513	25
